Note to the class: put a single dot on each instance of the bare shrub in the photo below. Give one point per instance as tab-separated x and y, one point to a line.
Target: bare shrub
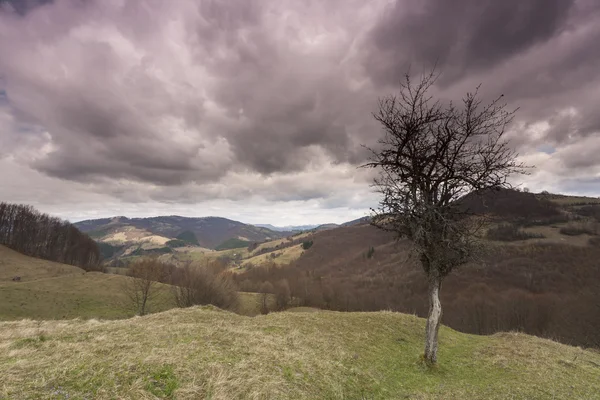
580	228
195	284
510	232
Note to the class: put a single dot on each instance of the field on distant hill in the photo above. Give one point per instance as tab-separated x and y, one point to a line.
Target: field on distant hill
204	353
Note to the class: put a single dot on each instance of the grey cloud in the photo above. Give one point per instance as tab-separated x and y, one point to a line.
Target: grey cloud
21	7
112	87
460	36
542	55
189	101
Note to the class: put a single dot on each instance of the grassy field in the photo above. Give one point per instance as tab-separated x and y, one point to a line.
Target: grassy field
277	242
199	254
565	200
84	295
14	264
205	353
284	256
51	290
552	235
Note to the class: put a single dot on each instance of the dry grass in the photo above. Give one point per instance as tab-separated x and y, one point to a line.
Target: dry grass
565	200
552	235
199	254
50	290
204	353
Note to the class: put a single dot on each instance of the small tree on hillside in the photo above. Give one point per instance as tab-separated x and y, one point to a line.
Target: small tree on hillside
429	158
266	291
282	294
142	286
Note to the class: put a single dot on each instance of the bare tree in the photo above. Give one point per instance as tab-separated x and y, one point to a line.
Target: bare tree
143	285
282	294
266	291
431	157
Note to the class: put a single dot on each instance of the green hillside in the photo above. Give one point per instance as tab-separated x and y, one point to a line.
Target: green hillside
50	290
205	353
233	243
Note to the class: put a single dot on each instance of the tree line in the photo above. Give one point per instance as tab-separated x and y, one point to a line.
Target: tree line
28	231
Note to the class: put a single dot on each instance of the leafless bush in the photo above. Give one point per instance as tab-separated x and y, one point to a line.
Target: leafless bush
580	228
510	232
195	284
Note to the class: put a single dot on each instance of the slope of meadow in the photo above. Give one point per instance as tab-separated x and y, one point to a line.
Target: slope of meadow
50	290
205	353
14	264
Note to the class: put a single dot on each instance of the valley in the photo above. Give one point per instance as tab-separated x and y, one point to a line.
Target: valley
539	276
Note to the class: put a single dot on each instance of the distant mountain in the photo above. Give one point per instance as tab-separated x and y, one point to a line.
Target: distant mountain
358	221
209	232
296	228
287	228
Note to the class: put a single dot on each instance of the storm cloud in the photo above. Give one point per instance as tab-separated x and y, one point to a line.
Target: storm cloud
269	102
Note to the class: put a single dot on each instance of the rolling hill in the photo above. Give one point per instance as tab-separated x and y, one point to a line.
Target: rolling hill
49	290
209	232
205	353
542	278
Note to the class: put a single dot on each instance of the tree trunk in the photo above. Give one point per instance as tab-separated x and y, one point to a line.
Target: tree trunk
433	320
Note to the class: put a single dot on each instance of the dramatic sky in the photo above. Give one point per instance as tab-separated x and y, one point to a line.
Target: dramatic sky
256	110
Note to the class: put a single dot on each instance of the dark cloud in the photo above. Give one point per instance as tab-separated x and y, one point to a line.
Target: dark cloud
192	100
460	36
21	7
239	86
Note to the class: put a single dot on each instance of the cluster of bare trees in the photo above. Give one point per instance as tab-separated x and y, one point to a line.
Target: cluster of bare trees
191	284
202	285
30	232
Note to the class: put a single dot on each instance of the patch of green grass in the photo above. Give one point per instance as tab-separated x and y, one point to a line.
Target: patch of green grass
162	383
188	237
203	352
35	341
279	257
233	243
